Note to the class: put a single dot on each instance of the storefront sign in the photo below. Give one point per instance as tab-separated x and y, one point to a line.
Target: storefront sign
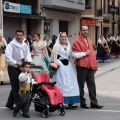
17	8
11	7
89	22
25	9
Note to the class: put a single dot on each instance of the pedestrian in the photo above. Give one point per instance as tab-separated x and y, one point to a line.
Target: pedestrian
16	53
30	41
40	52
109	41
9	39
65	75
115	49
49	45
54	37
3	63
24	91
103	51
86	66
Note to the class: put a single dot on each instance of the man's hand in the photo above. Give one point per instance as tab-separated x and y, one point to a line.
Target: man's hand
19	63
31	62
88	52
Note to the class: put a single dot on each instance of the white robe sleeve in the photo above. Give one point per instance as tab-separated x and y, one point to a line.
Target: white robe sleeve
23	77
8	55
78	55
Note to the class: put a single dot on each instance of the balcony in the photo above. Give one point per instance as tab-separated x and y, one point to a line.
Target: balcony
65	5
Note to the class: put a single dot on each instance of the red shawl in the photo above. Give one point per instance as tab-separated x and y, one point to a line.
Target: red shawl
89	61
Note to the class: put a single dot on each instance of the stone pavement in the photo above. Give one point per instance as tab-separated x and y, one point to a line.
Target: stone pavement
107	80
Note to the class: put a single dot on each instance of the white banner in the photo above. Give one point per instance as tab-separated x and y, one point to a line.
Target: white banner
11	7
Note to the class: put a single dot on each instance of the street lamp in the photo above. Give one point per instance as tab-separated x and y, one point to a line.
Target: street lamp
113	10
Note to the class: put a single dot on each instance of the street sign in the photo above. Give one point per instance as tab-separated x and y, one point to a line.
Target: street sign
17	8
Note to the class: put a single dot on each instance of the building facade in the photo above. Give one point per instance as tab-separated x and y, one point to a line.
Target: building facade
47	17
19	14
62	16
1	18
98	12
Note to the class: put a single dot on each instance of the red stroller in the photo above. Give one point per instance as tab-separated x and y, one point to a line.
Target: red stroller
45	95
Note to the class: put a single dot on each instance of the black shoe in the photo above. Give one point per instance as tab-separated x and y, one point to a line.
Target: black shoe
116	57
10	107
2	83
72	106
84	106
14	113
26	115
96	106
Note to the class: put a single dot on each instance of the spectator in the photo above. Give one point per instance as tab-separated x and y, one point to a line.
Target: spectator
16	53
3	63
86	66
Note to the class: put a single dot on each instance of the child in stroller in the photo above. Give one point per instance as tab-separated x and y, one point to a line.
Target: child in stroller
45	95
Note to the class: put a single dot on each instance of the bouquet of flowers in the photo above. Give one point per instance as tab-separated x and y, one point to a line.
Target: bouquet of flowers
52	69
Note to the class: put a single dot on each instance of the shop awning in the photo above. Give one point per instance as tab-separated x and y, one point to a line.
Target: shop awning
16	15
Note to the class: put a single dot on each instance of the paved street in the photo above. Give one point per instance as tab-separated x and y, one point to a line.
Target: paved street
108	94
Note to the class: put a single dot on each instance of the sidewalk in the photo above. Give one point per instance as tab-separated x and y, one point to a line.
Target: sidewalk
107	80
108	94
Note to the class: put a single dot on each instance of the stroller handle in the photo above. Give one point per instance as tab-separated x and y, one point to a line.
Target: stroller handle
37	66
47	83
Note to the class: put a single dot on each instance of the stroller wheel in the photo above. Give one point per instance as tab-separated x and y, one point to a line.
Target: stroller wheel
45	113
62	112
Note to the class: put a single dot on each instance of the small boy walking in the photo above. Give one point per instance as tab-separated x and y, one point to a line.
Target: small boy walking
24	91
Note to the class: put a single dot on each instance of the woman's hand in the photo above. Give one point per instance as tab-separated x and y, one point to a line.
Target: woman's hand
31	62
53	65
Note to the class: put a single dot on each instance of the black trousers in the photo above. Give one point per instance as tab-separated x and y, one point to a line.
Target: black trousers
14	81
86	75
24	103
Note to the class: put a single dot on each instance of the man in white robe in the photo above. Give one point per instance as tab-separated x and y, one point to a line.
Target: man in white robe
16	53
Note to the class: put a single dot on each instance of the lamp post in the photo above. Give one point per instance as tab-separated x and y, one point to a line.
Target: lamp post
113	9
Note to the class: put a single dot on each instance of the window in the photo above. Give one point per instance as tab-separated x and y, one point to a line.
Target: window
88	4
63	26
47	28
